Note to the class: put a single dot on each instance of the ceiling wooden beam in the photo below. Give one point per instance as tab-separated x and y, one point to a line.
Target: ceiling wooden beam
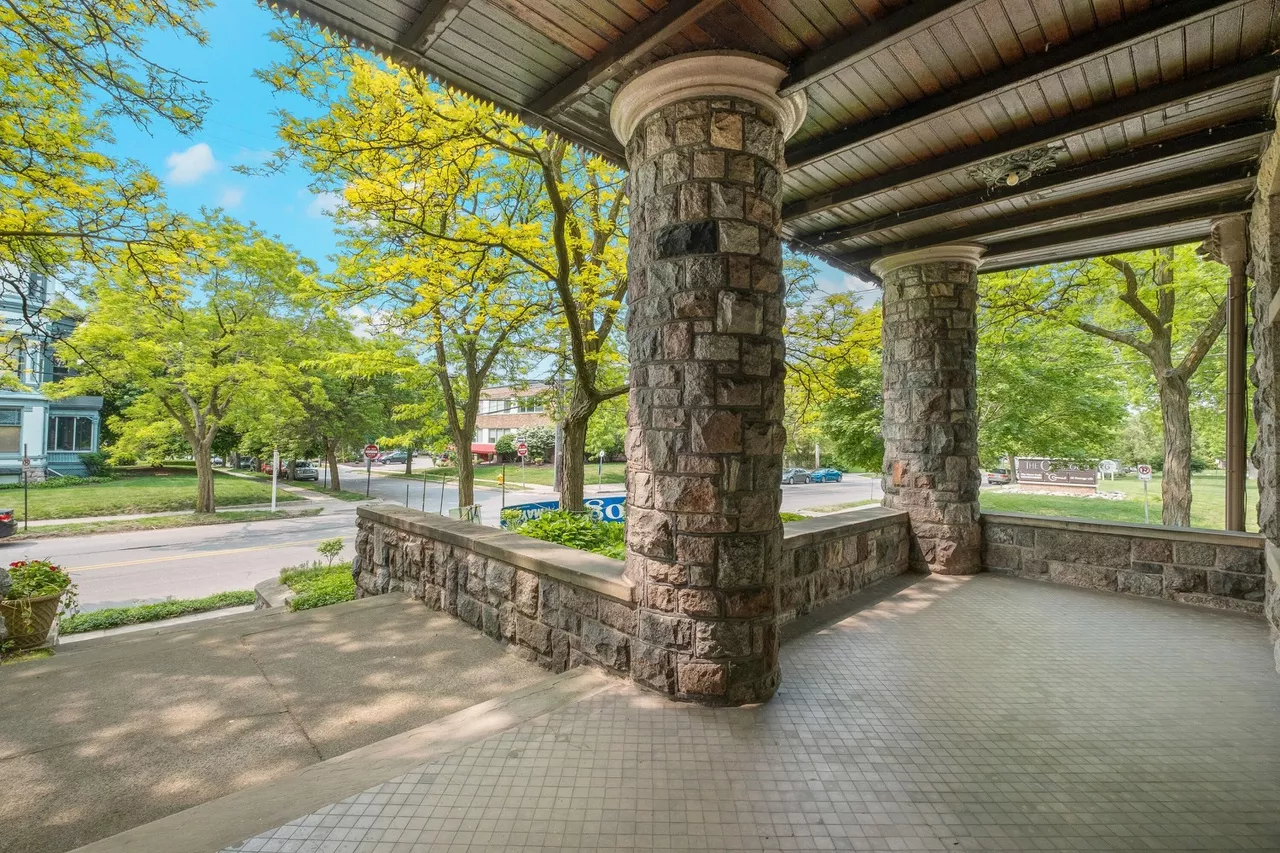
998	265
433	20
1167	190
1131	106
1203	141
1205	210
903	23
634	44
1052	59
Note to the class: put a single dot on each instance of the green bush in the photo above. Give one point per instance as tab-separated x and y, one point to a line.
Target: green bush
62	482
96	463
114	617
577	530
317	585
791	516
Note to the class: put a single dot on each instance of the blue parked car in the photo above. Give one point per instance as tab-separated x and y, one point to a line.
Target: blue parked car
826	475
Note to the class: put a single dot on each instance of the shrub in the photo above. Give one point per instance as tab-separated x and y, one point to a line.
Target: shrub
317	585
114	617
330	549
791	516
96	463
577	530
61	482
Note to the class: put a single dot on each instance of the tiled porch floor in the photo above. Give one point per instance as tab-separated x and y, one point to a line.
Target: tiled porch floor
980	714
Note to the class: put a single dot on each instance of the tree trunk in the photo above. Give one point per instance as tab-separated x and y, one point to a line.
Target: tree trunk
408	460
1175	413
466	480
573	451
204	473
331	458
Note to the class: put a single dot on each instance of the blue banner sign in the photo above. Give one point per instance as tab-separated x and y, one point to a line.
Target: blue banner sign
612	508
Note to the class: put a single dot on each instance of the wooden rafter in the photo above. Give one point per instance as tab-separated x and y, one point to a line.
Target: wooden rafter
1118	110
622	54
434	19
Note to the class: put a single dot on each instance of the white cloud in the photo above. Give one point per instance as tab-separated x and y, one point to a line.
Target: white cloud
189	166
231	197
323	204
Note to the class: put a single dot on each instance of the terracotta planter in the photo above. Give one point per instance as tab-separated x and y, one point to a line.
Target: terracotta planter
29	632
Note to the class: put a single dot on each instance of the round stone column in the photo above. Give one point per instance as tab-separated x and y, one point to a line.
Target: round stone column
930	427
704	135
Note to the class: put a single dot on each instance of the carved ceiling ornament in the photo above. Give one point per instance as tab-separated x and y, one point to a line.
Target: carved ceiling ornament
1016	168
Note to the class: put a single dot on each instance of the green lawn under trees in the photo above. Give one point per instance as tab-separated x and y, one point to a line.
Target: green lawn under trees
1208	502
534	475
166	490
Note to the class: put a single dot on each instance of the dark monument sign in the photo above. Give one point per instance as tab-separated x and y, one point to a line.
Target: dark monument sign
1054	472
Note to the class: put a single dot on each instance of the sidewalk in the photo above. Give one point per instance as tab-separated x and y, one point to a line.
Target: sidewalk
89	519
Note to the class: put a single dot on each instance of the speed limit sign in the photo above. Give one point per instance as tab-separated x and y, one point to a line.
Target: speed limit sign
1144	472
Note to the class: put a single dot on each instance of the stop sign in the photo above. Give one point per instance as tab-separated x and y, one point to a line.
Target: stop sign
522	449
371	452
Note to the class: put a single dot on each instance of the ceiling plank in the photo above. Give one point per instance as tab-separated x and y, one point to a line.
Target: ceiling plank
434	19
1131	106
1203	141
897	25
622	54
1050	213
1055	58
1132	224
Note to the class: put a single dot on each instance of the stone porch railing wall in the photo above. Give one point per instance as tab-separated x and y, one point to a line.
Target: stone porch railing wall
1208	568
561	607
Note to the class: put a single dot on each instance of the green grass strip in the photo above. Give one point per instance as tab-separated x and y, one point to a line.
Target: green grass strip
114	617
318	586
161	522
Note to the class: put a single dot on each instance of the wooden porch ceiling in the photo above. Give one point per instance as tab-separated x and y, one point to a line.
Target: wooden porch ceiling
1145	119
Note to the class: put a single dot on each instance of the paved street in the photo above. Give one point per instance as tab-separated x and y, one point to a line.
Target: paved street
114	569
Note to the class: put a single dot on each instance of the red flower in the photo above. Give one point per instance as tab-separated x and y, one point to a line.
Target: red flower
18	564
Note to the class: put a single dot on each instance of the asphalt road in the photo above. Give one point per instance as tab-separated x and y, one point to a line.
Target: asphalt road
114	569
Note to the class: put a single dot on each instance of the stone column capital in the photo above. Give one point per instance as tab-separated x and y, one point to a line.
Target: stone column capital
1230	238
706	74
967	253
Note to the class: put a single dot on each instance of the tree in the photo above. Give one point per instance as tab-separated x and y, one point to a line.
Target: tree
1166	305
1046	390
465	158
69	67
201	344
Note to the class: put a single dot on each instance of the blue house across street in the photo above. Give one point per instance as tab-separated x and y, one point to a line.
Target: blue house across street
54	434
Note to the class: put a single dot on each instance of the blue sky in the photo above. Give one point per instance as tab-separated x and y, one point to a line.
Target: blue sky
239	128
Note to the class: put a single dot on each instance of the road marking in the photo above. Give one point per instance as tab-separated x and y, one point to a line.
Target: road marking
193	555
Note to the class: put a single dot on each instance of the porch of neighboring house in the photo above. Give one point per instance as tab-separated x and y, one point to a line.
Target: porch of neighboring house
929	694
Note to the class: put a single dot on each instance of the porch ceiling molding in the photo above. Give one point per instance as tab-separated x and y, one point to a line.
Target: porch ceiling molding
706	74
968	253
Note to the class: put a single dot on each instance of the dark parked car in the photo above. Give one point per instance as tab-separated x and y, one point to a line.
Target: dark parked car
7	524
792	476
395	457
826	475
999	477
306	471
248	464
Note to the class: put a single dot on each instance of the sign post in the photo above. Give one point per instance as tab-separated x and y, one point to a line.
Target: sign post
522	450
370	454
600	473
1144	474
26	477
275	475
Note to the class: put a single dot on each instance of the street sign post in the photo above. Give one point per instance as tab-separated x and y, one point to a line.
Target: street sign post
1144	474
26	477
522	450
275	475
600	473
370	454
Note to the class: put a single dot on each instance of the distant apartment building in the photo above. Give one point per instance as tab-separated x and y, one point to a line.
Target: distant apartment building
505	410
54	434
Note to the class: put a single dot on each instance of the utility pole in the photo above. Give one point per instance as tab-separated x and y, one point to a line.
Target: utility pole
275	475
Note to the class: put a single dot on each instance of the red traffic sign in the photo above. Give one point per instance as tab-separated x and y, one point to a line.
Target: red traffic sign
522	449
1144	472
371	452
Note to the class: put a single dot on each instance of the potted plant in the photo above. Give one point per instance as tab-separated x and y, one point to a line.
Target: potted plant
38	592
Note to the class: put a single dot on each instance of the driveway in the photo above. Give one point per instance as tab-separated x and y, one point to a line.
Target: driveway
100	739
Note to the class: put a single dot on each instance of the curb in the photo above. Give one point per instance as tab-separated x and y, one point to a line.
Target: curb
272	594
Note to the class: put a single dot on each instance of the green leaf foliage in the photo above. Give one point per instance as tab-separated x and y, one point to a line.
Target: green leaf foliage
318	586
114	617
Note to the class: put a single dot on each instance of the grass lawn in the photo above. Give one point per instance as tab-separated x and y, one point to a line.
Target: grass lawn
1208	502
160	522
318	486
534	475
136	492
840	507
114	617
318	585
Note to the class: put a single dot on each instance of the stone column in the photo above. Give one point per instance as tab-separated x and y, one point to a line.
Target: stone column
930	402
1264	269
704	135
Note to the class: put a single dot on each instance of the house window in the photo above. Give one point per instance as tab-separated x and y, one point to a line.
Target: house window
530	405
70	433
10	430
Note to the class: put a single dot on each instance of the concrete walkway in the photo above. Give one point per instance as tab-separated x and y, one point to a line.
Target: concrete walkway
114	733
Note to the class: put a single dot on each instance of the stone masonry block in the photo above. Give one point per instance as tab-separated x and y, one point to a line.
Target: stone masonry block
1139	583
1063	546
1194	554
1075	574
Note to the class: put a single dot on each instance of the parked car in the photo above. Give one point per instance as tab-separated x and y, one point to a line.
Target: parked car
792	476
826	475
217	461
395	457
248	464
999	477
306	471
7	523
